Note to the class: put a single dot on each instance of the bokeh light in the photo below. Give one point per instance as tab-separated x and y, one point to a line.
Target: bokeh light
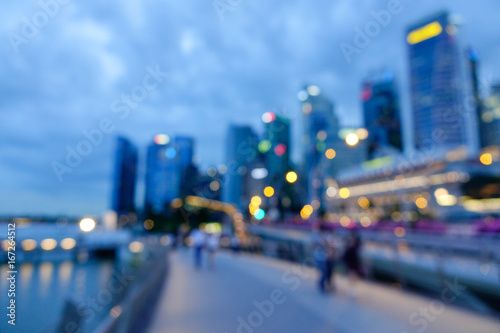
87	224
268	191
48	244
259	214
161	139
280	149
256	200
268	117
264	146
352	139
330	154
344	193
486	159
291	177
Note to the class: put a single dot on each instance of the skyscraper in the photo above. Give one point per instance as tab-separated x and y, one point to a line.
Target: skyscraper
241	152
276	146
163	174
320	128
490	118
381	113
473	58
443	117
125	174
185	147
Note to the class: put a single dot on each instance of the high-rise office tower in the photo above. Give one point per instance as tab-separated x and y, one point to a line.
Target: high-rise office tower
490	118
276	146
473	58
241	153
381	112
185	147
125	174
320	130
443	109
163	174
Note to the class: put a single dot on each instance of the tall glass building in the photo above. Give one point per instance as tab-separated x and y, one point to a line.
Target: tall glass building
491	118
443	109
381	113
124	178
241	153
189	172
320	131
276	146
163	174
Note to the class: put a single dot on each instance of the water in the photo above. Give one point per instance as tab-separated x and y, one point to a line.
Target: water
43	287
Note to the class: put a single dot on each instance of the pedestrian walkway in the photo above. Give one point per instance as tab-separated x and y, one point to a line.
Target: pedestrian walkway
247	294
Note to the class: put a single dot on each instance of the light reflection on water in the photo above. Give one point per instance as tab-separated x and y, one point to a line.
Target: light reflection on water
42	288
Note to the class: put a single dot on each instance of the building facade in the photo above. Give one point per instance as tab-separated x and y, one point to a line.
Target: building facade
441	93
124	177
241	153
381	113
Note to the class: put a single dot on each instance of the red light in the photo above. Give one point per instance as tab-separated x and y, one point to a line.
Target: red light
268	117
366	94
280	149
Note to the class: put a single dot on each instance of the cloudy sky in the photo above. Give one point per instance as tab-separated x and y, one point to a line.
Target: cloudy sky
228	61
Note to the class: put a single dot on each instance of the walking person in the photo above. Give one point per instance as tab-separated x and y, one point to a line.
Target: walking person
324	256
198	239
235	244
212	247
352	263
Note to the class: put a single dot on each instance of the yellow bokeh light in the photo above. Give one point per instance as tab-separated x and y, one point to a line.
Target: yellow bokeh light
363	202
304	215
486	159
28	244
149	224
256	200
421	203
308	209
269	191
48	244
330	154
68	243
344	193
352	139
291	177
252	208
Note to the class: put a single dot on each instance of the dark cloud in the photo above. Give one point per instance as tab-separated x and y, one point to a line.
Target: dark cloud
64	79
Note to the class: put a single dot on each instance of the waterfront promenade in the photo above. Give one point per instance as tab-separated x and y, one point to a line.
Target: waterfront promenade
248	293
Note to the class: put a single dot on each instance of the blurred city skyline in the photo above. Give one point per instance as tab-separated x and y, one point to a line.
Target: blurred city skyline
219	72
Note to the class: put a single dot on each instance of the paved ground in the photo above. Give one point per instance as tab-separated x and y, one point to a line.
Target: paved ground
247	294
